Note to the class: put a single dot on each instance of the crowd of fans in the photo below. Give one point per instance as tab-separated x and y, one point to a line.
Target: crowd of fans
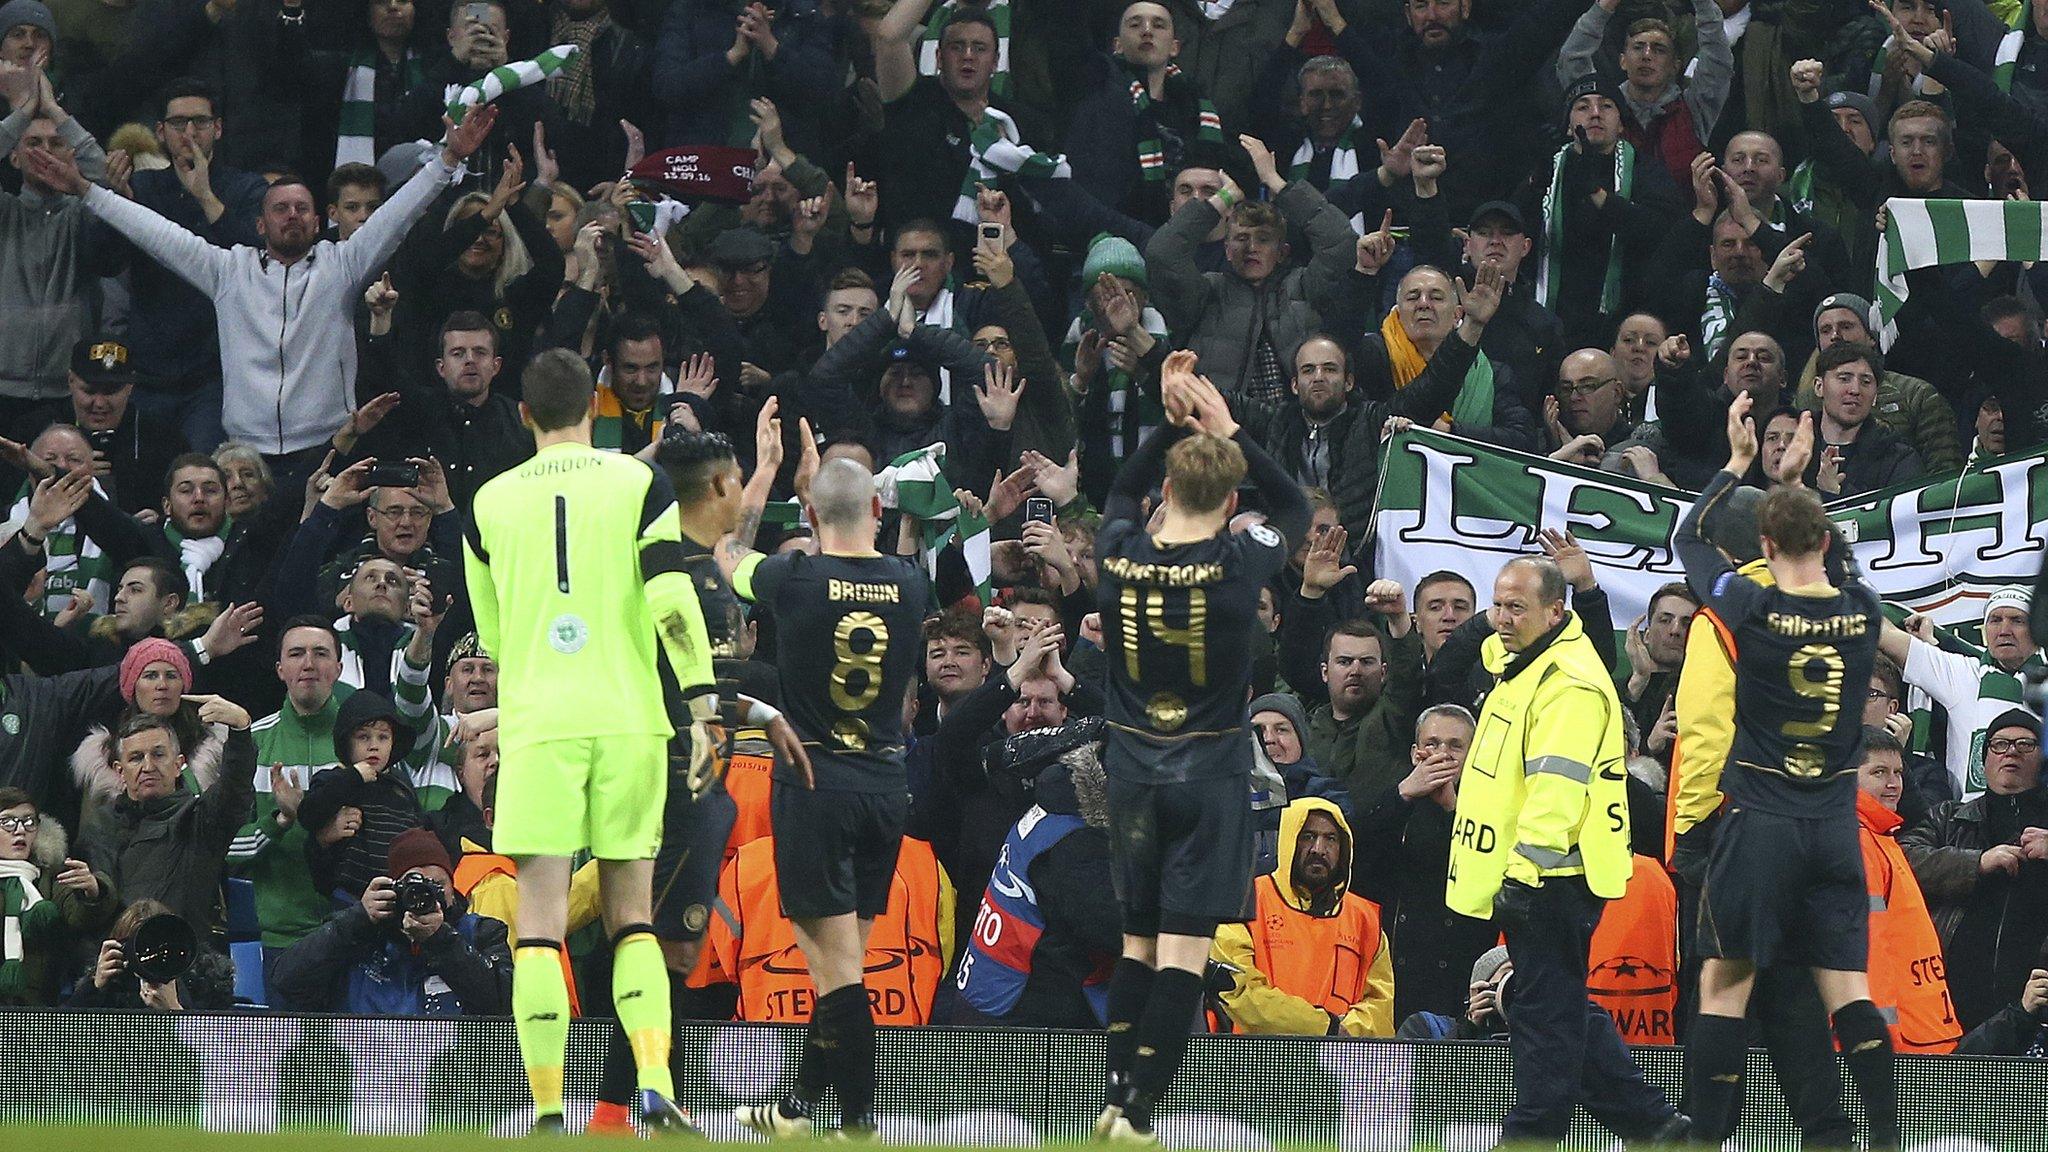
261	341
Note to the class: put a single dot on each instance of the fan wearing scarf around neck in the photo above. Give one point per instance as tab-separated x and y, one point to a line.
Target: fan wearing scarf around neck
1424	366
45	898
1143	118
1329	102
375	77
1584	253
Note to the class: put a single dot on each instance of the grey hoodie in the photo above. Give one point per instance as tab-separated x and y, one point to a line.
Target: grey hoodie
51	297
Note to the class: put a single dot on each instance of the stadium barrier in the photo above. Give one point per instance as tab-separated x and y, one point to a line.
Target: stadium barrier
956	1086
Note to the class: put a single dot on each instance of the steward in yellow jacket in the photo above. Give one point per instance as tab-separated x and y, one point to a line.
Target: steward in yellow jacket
1539	843
1313	961
1545	788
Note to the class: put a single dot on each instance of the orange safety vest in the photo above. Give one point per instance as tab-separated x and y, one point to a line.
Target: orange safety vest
477	867
1324	960
1908	981
1632	962
752	944
748	775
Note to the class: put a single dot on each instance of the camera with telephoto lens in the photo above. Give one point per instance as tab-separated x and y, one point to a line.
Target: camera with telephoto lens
162	948
418	895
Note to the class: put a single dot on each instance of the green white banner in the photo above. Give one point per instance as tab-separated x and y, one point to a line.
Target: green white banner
1940	546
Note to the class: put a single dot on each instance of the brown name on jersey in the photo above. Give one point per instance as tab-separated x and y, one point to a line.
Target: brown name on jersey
863	593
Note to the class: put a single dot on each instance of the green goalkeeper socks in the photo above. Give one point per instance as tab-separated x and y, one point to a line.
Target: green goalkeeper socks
540	1012
640	993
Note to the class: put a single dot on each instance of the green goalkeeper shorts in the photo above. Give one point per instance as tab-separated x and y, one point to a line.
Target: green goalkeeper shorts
604	793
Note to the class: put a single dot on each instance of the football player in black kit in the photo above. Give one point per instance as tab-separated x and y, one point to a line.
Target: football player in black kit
699	813
847	642
1785	879
1179	601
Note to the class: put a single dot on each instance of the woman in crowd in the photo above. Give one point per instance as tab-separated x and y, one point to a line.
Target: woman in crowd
155	675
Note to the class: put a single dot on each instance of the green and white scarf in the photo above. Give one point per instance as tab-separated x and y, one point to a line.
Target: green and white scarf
1799	189
1151	152
72	561
916	484
198	555
2016	15
1924	233
506	78
1549	267
995	148
1343	158
935	27
15	901
357	141
1718	317
1123	389
352	655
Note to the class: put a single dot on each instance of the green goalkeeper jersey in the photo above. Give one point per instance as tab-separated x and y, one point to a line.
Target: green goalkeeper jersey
575	568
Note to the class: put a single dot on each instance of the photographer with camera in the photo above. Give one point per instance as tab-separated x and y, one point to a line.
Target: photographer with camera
409	947
152	959
1486	1005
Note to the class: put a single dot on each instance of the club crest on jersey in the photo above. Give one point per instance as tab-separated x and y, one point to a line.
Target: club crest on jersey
1264	535
568	634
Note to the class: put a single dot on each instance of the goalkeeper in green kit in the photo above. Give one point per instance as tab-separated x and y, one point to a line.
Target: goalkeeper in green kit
576	572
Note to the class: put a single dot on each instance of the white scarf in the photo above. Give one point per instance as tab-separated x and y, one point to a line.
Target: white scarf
26	872
196	556
940	315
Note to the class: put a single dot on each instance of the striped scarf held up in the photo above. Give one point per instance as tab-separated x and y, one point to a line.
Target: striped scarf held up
1924	233
1550	266
995	148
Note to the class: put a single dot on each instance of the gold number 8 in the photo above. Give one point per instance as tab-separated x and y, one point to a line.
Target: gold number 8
868	663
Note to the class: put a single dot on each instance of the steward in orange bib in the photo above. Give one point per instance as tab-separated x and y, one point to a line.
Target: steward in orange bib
752	944
1632	965
1908	981
1313	960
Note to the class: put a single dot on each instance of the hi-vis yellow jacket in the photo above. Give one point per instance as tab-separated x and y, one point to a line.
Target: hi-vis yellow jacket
1544	791
1706	719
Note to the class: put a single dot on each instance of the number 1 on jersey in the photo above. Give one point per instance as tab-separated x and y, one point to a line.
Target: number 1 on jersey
1193	637
562	544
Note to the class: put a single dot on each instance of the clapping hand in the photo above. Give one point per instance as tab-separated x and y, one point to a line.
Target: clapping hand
1060	483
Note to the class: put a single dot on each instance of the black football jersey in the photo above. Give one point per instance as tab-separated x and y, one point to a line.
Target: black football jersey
847	647
1177	630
